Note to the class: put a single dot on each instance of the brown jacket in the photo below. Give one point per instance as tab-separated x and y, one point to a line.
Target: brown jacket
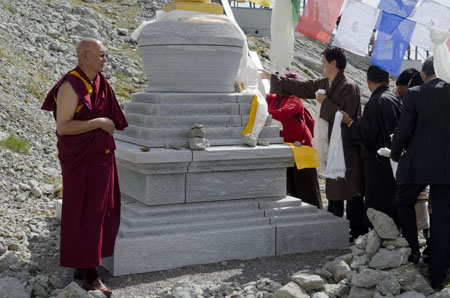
342	94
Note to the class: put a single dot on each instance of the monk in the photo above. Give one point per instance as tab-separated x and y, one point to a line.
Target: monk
87	113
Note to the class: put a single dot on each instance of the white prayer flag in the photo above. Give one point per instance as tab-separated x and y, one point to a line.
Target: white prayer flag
429	14
355	29
282	36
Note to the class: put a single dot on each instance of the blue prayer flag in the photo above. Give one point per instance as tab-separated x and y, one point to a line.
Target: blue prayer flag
402	8
394	34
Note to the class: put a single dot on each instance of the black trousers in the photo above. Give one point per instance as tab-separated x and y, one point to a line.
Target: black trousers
404	202
304	184
355	214
440	224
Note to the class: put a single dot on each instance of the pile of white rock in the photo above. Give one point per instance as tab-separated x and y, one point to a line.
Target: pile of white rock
376	267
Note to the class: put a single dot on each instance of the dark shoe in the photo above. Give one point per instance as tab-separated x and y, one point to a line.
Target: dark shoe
414	257
437	286
78	274
97	284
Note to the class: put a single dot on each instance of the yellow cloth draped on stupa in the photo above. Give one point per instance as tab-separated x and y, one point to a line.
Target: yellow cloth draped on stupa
195	5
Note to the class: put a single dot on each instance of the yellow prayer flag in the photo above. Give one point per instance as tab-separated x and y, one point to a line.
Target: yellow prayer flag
305	156
265	3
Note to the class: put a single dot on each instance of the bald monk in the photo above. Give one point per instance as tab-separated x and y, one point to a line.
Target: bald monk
87	113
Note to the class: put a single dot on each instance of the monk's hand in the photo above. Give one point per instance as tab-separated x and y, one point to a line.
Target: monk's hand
107	125
264	74
320	97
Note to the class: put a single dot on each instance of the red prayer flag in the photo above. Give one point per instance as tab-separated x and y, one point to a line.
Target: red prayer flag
319	18
448	42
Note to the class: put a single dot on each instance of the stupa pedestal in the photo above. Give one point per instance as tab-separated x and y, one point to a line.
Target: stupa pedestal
182	206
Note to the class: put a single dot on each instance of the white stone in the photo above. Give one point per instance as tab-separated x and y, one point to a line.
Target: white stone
356	292
373	243
389	285
308	282
383	224
385	259
290	290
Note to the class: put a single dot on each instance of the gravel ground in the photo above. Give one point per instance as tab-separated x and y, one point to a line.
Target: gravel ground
158	283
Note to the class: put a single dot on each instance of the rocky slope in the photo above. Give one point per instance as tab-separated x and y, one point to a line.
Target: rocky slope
37	45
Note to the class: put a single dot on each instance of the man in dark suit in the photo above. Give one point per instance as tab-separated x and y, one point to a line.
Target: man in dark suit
421	144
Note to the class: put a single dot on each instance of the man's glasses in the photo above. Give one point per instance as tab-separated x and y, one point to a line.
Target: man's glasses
100	54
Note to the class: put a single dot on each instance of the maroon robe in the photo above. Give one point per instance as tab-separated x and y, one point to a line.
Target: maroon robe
91	196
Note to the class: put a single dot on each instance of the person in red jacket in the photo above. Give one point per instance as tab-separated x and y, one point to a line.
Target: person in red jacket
298	125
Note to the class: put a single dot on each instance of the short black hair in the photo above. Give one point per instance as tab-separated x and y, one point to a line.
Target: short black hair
428	67
405	76
377	75
338	54
416	80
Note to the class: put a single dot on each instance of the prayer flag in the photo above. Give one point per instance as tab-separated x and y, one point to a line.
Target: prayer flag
295	11
402	8
429	14
448	42
282	36
356	27
319	19
394	34
265	3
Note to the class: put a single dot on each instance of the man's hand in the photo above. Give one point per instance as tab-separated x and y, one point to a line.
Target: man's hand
346	118
106	124
264	74
320	97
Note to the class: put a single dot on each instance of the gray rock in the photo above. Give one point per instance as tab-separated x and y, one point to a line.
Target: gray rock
385	259
347	258
330	289
342	290
389	285
39	290
12	288
197	133
368	278
398	242
356	251
73	290
262	142
290	290
308	282
444	293
97	294
37	192
361	241
359	261
339	268
378	295
323	273
250	140
319	295
356	292
411	280
383	224
198	143
410	295
373	243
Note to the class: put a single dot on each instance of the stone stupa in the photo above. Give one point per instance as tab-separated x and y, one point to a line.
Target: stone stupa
182	206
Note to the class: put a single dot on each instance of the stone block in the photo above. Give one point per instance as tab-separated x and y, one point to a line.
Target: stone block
191	68
131	153
235	184
147	254
312	235
181	109
185	98
152	189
